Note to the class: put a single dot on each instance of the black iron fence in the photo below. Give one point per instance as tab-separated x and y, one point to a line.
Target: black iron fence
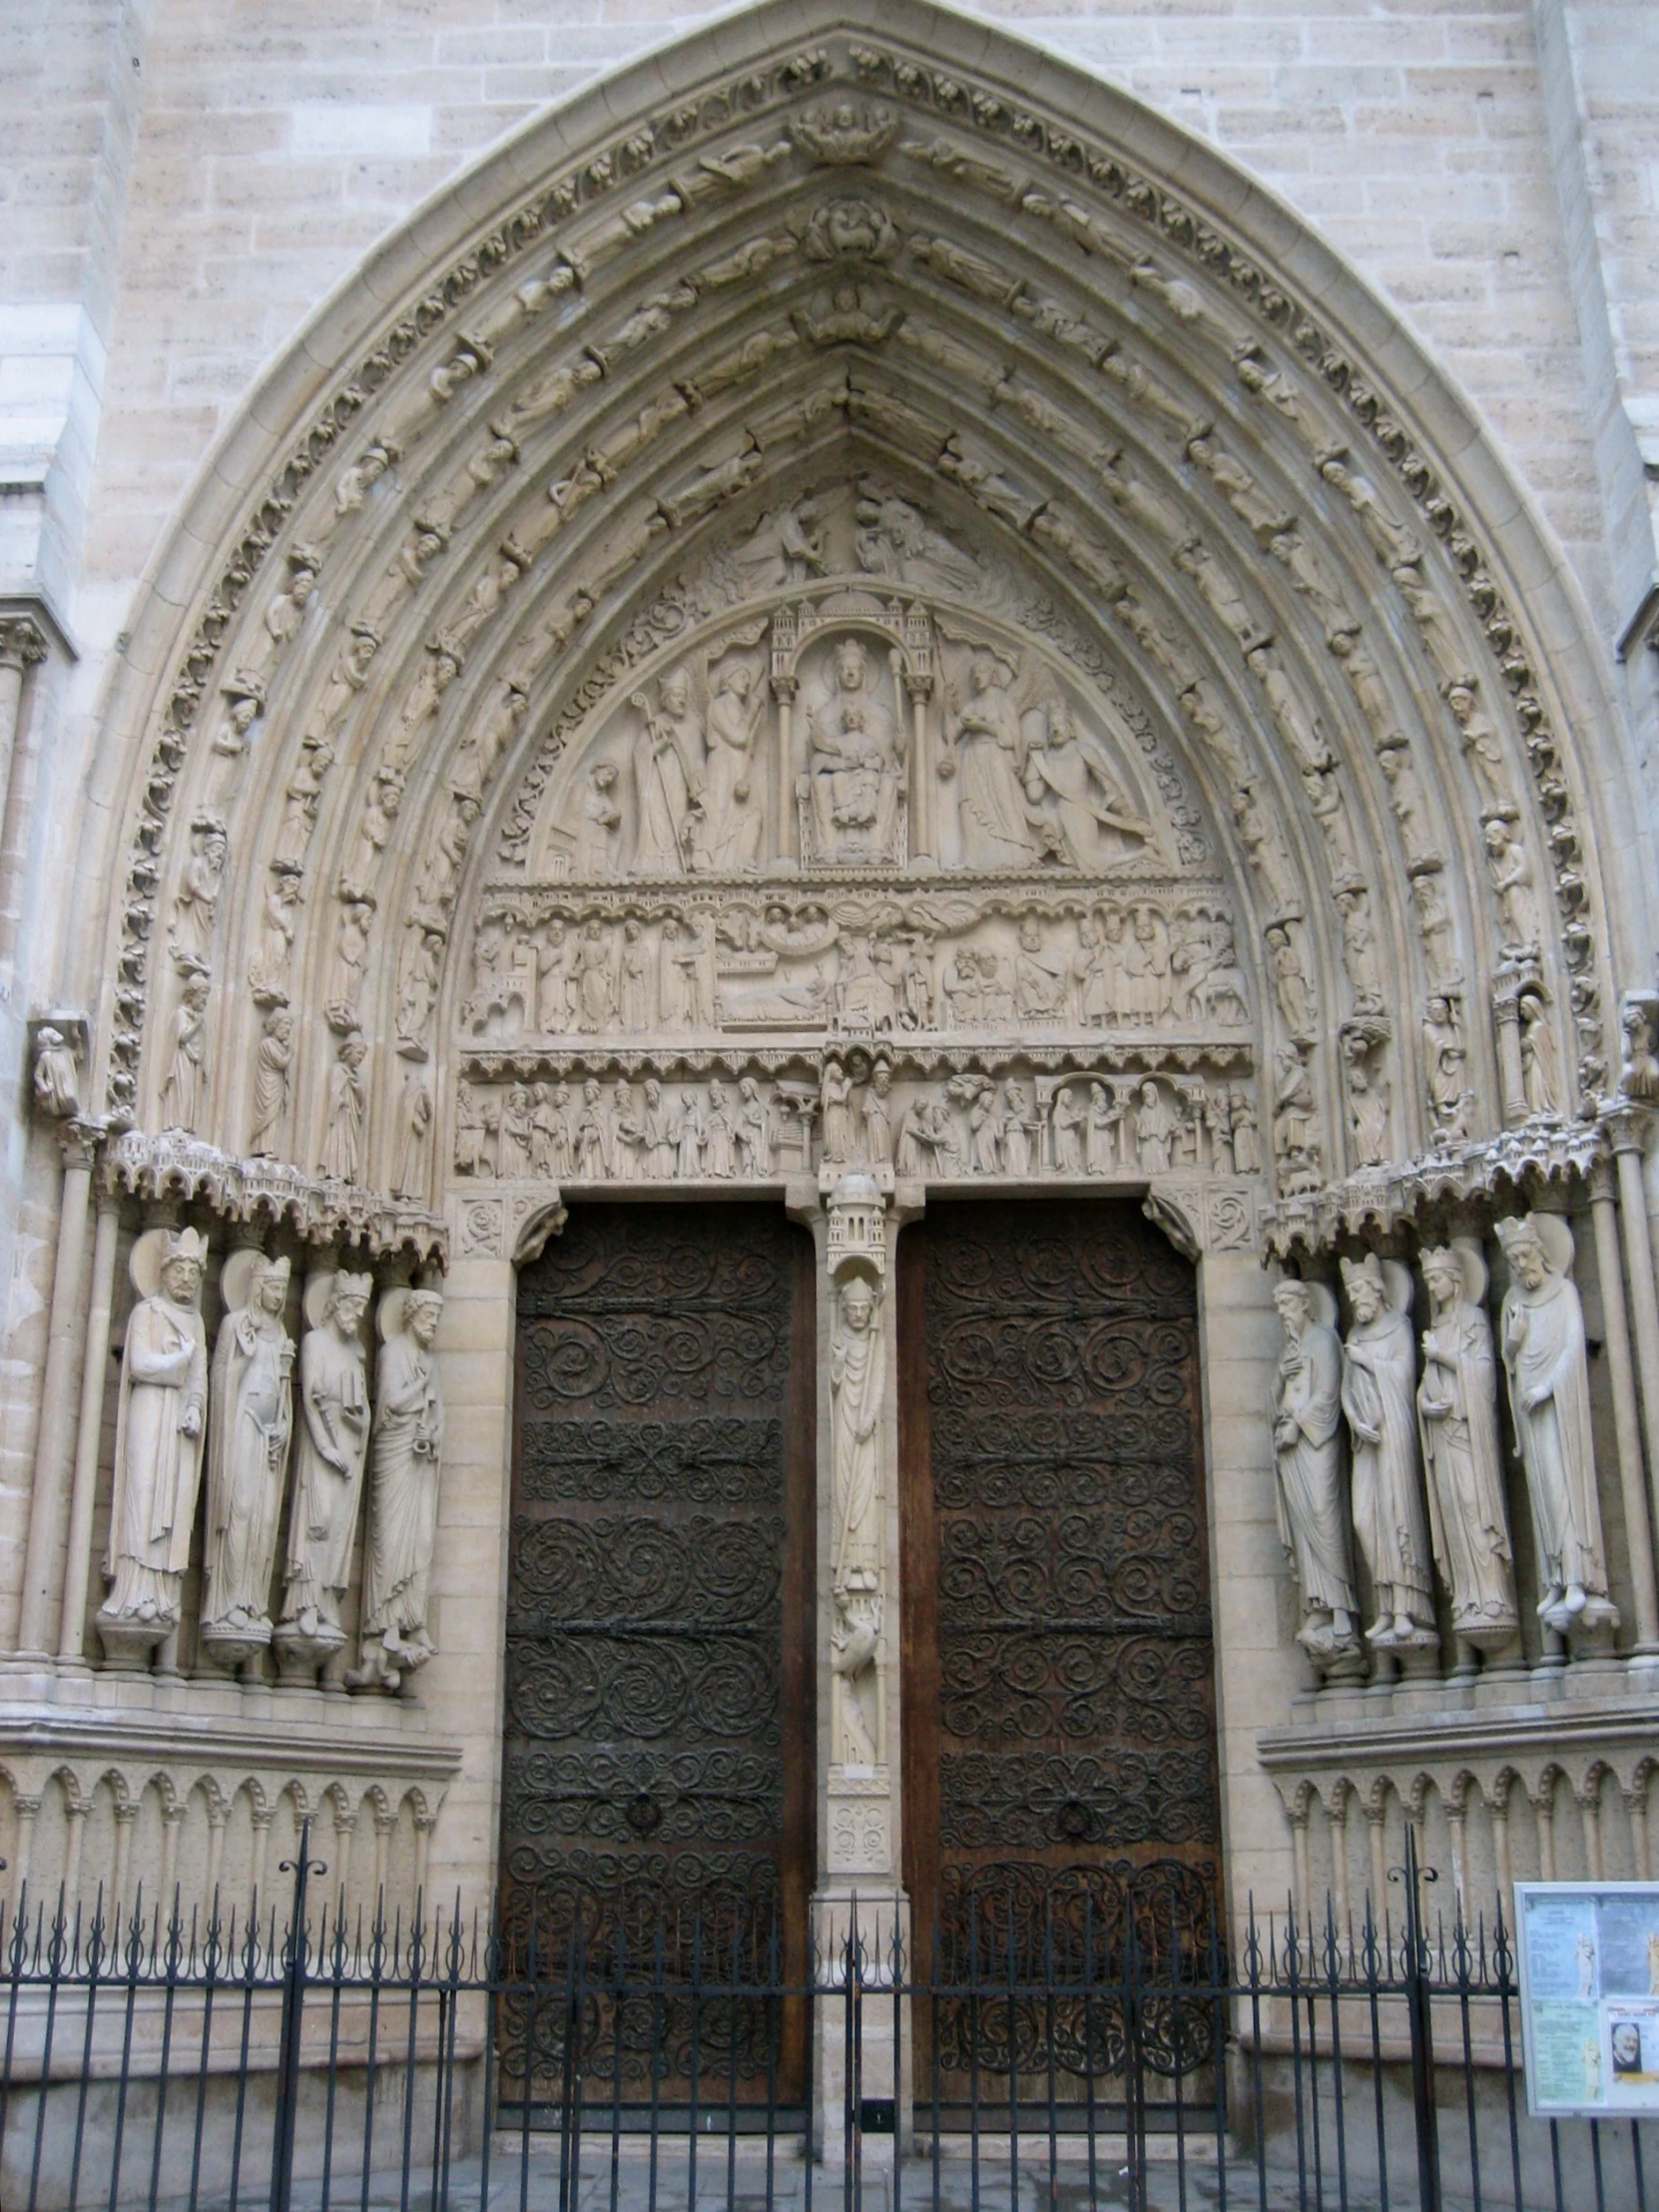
1025	2057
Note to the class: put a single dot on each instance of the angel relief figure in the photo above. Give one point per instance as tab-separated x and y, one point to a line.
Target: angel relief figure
856	747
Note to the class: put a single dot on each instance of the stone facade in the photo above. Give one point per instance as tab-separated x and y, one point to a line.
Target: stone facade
855	612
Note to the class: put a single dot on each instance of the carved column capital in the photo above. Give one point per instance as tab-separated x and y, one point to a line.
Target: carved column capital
23	643
1626	1127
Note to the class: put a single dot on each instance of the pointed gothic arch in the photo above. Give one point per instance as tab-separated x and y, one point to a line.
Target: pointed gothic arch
506	476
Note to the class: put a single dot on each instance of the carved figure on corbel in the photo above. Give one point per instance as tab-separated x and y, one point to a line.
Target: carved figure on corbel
1359	955
244	694
1639	1029
1513	887
301	797
195	901
59	1045
1482	747
347	1104
273	1065
1296	1143
354	482
470	359
1360	1045
269	974
1396	545
1446	1068
184	1088
286	610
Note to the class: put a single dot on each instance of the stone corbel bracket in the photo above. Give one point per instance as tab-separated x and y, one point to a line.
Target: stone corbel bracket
180	1167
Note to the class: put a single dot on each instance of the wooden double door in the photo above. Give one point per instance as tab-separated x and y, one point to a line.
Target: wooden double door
1057	1716
1059	1770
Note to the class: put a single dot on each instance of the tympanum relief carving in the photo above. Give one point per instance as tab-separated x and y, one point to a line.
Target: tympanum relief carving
860	724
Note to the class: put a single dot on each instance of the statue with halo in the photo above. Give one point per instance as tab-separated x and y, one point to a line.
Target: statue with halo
1379	1372
247	1455
328	1470
160	1421
1546	1359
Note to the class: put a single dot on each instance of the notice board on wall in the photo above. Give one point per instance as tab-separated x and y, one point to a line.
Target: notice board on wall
1588	1959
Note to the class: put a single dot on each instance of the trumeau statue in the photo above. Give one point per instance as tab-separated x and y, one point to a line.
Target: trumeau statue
1457	1421
1379	1386
160	1423
247	1455
1312	1519
1546	1358
857	1398
328	1469
405	1457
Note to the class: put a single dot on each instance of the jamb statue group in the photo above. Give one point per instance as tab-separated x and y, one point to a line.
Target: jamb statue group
1442	1424
246	1420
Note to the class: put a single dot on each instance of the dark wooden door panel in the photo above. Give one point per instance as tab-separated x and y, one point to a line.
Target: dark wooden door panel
658	1737
1059	1697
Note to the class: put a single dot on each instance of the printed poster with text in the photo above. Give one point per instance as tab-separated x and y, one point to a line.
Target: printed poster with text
1589	1980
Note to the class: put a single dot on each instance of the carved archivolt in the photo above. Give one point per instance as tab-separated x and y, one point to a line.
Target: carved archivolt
696	619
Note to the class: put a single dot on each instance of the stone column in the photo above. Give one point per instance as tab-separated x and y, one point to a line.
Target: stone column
22	647
55	1439
923	837
1625	1133
1632	1489
859	1839
72	1618
783	769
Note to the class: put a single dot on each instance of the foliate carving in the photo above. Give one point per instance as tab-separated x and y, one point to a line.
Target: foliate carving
160	1426
1541	1333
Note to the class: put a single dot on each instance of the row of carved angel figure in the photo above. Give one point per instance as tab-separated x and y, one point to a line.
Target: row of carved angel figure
1436	1417
241	1417
1150	963
664	1130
